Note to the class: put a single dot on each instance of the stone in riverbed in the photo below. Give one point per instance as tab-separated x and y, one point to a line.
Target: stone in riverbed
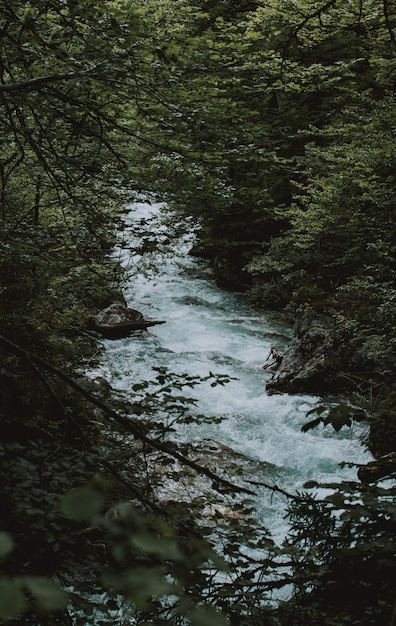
118	320
382	467
305	366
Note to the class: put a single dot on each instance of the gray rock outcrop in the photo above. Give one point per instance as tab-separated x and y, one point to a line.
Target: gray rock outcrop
306	364
382	467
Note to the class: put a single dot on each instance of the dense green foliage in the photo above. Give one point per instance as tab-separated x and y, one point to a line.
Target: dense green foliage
295	183
273	124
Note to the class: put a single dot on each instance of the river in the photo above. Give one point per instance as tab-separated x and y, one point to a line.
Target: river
211	330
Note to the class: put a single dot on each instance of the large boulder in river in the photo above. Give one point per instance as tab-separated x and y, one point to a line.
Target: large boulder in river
117	321
306	366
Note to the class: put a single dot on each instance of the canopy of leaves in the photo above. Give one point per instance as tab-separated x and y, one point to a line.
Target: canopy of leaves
281	117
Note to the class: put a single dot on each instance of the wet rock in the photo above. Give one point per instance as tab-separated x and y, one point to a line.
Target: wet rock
274	359
306	364
380	468
200	271
98	386
118	320
192	301
203	251
117	313
217	455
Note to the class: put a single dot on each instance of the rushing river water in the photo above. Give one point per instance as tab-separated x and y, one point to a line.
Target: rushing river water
210	330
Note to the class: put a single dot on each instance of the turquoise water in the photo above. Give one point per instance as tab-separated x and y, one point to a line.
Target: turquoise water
210	330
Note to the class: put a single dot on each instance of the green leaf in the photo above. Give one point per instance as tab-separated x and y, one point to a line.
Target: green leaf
6	544
140	584
318	410
49	595
81	504
153	545
207	616
312	424
12	599
311	484
338	417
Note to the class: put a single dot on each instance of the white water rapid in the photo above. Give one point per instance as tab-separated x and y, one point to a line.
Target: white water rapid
210	330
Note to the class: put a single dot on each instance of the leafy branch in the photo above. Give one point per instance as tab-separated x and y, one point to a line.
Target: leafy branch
130	425
338	416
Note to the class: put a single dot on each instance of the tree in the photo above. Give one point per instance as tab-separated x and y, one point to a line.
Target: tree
237	112
342	550
293	186
68	79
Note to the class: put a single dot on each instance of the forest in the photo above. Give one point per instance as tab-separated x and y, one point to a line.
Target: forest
271	124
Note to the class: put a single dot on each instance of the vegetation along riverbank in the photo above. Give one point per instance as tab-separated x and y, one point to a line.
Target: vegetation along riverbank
271	125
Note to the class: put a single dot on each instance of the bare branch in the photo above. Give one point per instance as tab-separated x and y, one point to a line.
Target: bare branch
277	489
35	83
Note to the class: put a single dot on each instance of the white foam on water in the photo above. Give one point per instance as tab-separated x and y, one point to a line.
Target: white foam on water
210	330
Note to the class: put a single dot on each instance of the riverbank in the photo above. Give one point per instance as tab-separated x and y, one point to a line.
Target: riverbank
211	330
171	448
335	347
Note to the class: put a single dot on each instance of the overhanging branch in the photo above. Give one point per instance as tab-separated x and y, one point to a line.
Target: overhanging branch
128	423
35	83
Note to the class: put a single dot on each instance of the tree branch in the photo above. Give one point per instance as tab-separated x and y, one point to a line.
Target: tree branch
35	83
277	489
107	465
126	422
302	24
